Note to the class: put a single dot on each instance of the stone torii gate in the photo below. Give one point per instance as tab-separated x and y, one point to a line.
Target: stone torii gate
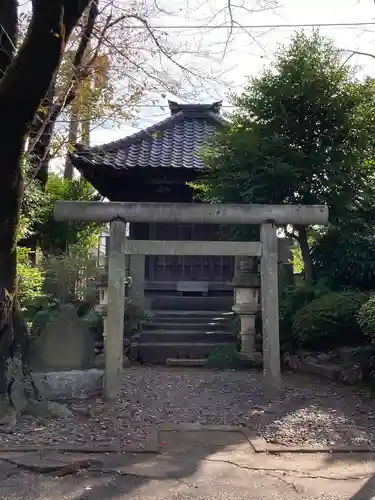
120	213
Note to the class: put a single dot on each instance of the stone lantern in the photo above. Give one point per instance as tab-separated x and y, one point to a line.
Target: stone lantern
246	283
102	306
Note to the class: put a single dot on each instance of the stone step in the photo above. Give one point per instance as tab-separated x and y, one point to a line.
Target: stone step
159	352
185	320
181	303
211	326
182	316
186	362
185	336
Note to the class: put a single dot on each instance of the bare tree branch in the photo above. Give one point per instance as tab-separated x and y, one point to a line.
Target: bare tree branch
146	64
231	22
8	33
358	53
50	111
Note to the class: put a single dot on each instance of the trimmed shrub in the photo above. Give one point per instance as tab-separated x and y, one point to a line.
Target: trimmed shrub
366	318
292	299
330	321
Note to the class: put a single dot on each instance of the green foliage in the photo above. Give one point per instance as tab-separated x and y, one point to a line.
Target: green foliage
59	236
298	264
227	358
66	281
67	278
345	258
38	303
94	321
43	317
133	317
30	279
292	299
40	311
88	300
56	237
301	133
34	208
366	318
297	260
364	357
329	321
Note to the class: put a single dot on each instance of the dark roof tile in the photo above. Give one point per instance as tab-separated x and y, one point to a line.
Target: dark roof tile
173	143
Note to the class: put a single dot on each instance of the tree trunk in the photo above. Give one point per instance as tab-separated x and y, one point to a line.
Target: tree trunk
86	130
40	137
23	86
305	252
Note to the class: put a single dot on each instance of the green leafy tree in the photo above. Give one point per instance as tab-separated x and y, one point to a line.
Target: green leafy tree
345	259
59	237
30	278
301	133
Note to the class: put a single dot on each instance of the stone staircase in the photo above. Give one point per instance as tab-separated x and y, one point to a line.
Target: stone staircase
184	328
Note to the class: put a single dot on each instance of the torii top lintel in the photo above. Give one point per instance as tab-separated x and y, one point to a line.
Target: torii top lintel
201	213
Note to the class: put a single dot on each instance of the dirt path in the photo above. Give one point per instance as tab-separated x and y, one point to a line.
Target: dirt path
309	412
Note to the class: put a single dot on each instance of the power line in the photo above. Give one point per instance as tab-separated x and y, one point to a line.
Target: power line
255	26
166	106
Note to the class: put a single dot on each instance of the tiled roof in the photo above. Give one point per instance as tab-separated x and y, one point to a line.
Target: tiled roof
174	143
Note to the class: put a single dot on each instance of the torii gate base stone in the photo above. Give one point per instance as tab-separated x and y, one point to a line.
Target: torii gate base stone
119	213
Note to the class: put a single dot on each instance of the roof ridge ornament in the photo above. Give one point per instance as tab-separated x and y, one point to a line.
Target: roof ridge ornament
176	107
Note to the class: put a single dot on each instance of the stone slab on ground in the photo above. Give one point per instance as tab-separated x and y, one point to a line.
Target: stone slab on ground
65	343
338	365
328	371
202	439
212	435
69	385
44	462
147	442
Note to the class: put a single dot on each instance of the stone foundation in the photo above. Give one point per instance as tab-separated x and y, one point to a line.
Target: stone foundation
326	366
69	385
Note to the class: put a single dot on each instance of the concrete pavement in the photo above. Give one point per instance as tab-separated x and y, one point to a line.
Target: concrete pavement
192	466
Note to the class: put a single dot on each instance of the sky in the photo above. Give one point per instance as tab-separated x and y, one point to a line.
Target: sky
250	50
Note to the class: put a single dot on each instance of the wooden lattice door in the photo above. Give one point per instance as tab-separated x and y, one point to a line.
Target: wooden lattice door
182	267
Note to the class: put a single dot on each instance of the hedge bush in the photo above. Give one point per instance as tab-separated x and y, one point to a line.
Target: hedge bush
292	299
366	318
330	321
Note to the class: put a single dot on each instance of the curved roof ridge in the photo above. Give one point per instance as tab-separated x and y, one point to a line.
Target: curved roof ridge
176	107
174	142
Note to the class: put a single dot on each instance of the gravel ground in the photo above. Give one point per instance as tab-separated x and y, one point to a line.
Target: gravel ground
309	412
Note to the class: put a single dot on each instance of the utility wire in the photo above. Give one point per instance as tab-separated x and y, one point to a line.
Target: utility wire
166	106
255	26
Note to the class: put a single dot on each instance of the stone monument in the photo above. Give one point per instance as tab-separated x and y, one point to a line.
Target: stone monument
66	343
